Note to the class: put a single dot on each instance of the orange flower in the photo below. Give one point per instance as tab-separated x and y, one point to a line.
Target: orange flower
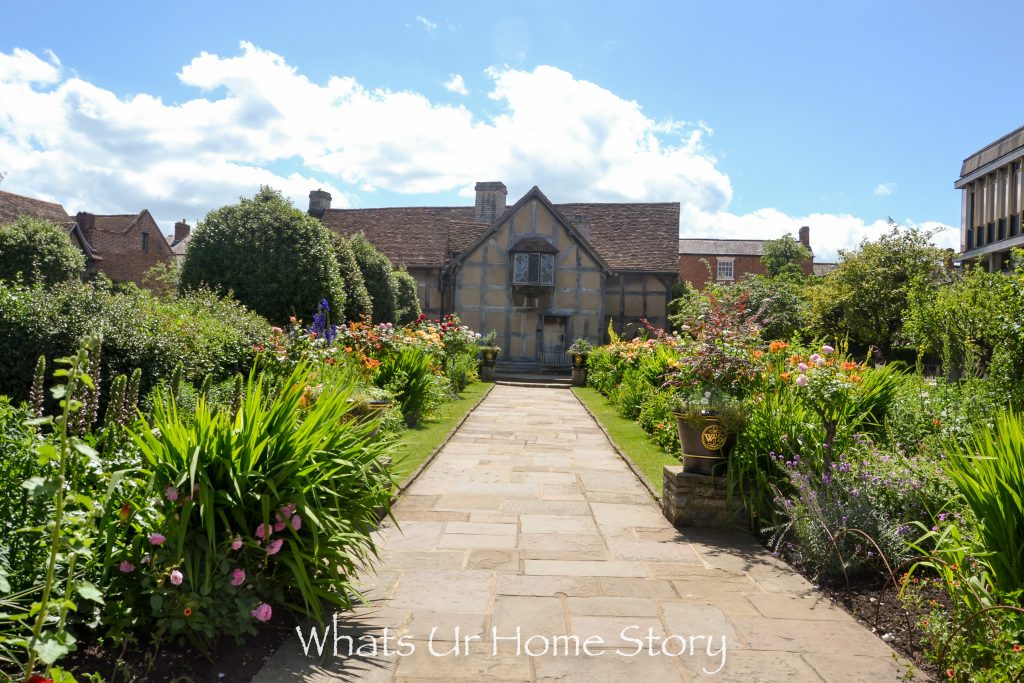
758	353
777	346
855	378
936	422
303	401
785	376
848	365
348	349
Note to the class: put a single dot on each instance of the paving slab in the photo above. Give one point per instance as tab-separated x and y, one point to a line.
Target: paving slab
528	537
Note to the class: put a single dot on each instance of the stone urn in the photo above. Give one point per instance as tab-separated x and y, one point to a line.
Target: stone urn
488	358
704	442
579	369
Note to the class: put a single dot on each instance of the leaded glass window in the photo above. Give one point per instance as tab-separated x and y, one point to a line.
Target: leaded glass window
533	269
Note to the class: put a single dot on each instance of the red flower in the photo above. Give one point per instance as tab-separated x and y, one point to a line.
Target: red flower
1017	648
950	673
36	678
188	612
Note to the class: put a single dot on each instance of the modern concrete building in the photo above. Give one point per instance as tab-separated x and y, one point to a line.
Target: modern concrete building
992	182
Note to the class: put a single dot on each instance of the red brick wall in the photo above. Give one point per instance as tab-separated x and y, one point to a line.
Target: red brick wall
123	259
693	270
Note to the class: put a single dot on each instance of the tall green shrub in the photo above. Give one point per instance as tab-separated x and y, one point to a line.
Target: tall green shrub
377	274
407	303
272	257
38	252
358	303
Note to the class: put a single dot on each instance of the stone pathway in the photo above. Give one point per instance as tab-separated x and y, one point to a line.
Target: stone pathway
529	520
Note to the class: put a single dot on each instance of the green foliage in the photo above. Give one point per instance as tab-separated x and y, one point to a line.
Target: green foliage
35	251
285	490
657	419
203	332
409	375
377	275
407	304
866	296
270	256
785	255
358	304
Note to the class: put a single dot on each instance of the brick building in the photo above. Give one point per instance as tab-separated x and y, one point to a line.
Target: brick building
539	274
725	260
123	247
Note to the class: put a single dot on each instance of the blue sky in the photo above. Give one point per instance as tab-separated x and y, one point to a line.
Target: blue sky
757	116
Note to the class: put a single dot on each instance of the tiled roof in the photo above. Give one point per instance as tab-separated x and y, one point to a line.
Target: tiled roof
409	236
13	206
180	246
631	236
118	223
638	237
822	269
711	247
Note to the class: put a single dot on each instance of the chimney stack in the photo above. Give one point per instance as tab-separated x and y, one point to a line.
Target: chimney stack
490	201
181	230
86	222
319	203
582	224
805	236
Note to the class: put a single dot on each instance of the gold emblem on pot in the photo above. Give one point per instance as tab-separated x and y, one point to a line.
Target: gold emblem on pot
713	437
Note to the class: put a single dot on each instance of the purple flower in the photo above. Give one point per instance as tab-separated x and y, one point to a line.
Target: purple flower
802	367
171	493
126	567
157	538
826	349
177	577
801	380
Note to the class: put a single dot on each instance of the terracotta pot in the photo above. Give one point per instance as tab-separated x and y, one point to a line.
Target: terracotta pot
704	443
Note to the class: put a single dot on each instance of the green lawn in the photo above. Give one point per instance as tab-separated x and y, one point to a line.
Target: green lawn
628	437
416	445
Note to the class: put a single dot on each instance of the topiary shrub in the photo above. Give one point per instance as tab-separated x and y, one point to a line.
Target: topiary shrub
407	303
358	303
270	256
35	251
377	274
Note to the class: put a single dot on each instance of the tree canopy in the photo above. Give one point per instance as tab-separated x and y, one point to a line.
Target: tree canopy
377	274
784	255
276	259
36	251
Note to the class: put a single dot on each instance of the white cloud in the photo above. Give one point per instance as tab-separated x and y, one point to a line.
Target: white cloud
828	232
426	23
884	189
456	84
256	120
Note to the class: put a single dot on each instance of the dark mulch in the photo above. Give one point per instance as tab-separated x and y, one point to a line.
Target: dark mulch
228	663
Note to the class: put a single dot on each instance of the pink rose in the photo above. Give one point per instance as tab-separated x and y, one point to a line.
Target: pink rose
801	380
237	577
177	577
275	546
280	525
296	522
126	567
263	612
157	539
263	530
171	493
287	510
237	543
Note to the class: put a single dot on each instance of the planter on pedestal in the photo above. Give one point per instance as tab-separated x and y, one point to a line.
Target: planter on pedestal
488	358
704	442
579	369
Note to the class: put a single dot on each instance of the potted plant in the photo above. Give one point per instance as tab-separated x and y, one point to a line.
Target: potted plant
579	350
707	428
488	351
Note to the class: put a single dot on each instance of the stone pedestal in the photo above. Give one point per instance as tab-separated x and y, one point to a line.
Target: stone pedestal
487	373
579	377
698	500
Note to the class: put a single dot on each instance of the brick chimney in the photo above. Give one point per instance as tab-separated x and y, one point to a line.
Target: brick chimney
581	222
805	236
490	201
181	230
319	203
86	222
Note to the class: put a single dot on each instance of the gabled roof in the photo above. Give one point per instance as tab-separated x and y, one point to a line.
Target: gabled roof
535	193
13	206
627	237
713	247
179	247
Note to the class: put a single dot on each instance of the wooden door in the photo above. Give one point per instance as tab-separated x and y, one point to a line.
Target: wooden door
553	345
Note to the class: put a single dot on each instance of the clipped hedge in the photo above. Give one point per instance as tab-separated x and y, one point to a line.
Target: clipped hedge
206	334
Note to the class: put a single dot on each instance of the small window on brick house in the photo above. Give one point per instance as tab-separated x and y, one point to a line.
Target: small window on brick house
725	269
145	241
533	269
